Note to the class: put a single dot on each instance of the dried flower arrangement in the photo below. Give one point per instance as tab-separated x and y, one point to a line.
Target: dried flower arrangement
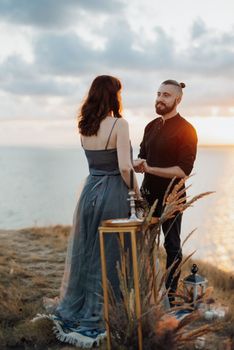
160	329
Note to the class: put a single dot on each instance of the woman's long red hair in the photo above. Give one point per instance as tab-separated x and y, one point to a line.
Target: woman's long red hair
102	100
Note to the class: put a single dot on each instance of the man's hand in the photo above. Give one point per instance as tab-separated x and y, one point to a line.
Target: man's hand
145	167
138	165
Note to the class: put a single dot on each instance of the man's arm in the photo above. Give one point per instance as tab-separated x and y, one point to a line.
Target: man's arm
186	156
142	151
138	163
174	171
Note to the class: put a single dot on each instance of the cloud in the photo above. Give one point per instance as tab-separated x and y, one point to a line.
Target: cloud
107	6
15	67
65	54
21	78
65	60
198	29
68	54
121	50
71	55
43	87
210	55
41	13
52	14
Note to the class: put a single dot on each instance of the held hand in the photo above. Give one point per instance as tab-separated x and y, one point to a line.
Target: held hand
145	167
138	165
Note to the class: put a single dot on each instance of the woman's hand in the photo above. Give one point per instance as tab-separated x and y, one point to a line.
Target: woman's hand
138	165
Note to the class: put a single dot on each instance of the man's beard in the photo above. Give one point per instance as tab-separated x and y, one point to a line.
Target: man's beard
163	109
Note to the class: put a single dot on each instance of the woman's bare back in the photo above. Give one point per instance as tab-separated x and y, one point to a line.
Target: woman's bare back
99	141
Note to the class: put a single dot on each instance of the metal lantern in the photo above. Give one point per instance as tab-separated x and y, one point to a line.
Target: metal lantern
194	284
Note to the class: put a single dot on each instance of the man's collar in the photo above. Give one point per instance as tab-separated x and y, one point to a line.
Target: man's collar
165	120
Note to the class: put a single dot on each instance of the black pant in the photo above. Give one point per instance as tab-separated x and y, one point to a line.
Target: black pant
171	229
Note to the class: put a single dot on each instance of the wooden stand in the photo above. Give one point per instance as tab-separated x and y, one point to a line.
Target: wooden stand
115	226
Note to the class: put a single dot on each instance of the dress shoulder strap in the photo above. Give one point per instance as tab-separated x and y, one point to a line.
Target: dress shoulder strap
111	132
81	141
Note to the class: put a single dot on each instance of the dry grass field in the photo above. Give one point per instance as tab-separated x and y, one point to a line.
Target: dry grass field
31	267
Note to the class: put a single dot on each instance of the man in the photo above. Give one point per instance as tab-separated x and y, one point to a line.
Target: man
168	150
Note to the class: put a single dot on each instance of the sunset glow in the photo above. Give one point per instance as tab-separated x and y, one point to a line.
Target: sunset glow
214	130
217	131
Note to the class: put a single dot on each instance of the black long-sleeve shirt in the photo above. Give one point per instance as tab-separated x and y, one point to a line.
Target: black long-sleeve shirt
166	144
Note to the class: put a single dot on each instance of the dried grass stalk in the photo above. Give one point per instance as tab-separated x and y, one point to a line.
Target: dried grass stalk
160	330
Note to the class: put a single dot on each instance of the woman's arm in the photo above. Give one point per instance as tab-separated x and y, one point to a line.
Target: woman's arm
124	154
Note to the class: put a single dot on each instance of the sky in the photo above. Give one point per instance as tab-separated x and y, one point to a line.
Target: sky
51	50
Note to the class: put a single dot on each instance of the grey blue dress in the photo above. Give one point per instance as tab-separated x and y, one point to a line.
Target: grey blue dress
104	196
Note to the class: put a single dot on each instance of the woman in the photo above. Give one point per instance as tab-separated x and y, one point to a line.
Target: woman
105	139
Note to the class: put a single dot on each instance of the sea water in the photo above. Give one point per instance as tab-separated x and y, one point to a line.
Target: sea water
40	187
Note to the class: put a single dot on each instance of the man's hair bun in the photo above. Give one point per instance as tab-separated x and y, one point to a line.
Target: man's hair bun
174	82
